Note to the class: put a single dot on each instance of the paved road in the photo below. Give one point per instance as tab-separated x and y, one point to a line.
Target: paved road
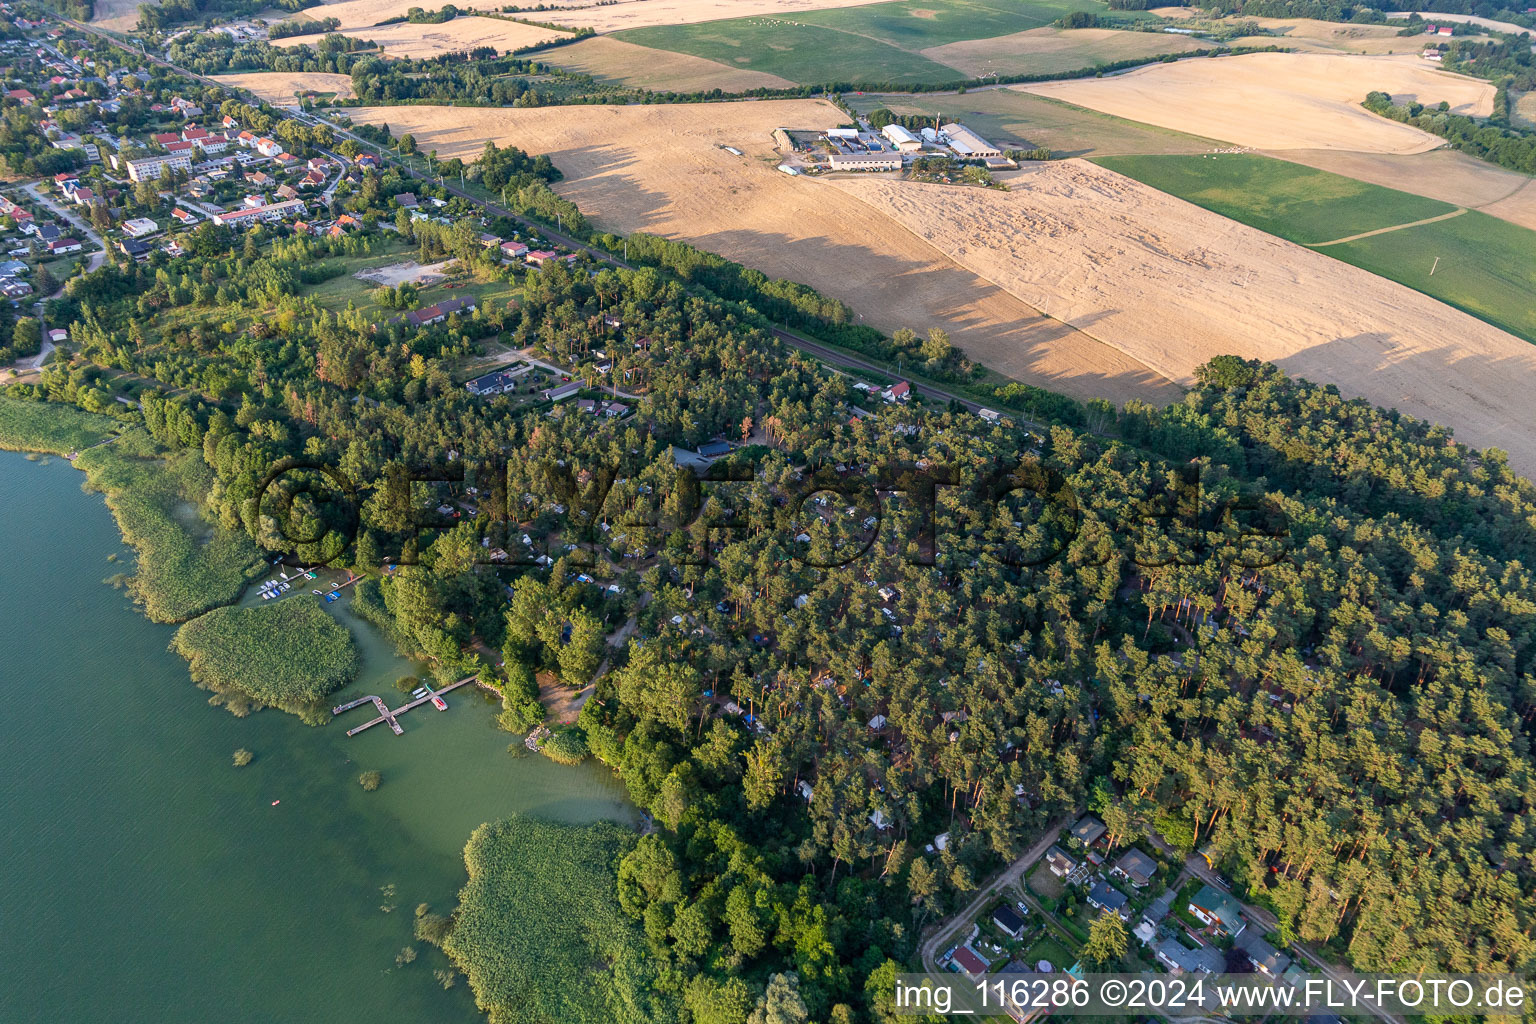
948	932
98	257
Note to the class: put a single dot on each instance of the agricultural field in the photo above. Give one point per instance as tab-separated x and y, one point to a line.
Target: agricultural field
1442	174
614	62
1309	36
283	88
463	33
1474	262
877	43
1279	100
288	654
615	17
50	427
1172	285
1049	50
1523	114
1487	267
1023	120
1297	203
661	169
117	15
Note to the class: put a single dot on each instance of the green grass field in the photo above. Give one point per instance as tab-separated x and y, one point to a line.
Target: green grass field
1297	203
1023	120
1487	266
50	427
878	43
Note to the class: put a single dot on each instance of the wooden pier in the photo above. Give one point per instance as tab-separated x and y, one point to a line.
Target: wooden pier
386	715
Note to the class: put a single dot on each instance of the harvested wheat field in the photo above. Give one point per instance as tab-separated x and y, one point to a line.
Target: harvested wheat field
660	169
1310	36
281	88
1279	100
118	15
1172	285
640	67
1442	174
1050	50
407	40
644	13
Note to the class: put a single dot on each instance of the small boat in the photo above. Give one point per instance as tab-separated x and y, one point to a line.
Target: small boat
439	703
315	592
266	596
331	597
276	802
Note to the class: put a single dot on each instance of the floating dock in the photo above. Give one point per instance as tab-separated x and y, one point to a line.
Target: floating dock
433	697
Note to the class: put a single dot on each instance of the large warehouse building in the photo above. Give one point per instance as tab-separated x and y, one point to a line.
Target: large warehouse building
865	161
903	140
967	143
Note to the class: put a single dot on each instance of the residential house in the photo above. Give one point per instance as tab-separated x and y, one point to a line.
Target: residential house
561	393
899	392
1220	911
64	246
1181	960
135	249
435	313
139	227
1266	959
1088	830
513	250
1107	899
1135	867
1060	864
407	200
967	960
1008	922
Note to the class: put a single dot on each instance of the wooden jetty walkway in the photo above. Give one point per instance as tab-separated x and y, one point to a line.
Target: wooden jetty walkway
386	715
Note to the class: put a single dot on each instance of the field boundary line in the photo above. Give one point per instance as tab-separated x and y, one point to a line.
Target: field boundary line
1382	231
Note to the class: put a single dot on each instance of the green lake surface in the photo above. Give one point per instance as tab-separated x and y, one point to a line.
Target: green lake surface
144	878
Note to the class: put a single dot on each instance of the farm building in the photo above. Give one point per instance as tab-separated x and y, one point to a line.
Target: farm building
865	161
967	143
903	140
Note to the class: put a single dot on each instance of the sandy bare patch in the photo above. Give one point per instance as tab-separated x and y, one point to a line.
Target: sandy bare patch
280	88
1279	100
1044	50
1443	174
640	67
408	272
1174	13
1172	285
660	169
407	40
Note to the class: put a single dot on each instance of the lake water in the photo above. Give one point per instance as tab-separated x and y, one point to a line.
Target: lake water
143	878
